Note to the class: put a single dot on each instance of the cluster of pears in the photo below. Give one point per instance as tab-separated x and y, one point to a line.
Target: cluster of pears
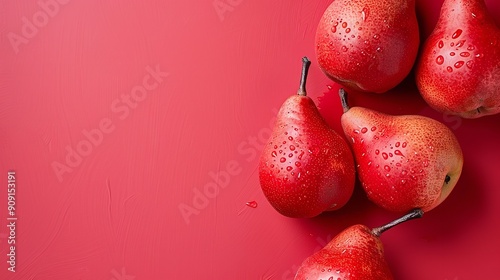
405	163
371	46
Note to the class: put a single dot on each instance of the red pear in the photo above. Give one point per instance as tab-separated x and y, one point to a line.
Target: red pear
306	168
458	71
403	162
357	253
368	45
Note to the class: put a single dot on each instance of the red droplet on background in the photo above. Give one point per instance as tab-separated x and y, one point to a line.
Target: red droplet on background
252	204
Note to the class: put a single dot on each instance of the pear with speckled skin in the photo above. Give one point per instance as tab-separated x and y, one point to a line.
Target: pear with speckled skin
368	45
403	162
306	167
458	71
357	253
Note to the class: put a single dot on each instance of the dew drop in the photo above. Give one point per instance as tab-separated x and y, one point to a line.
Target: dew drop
366	42
356	131
398	153
347	30
403	181
404	172
373	128
344	48
377	152
292	147
440	44
479	55
344	24
452	44
274	154
390	154
471	48
387	168
379	49
252	204
452	53
464	54
364	130
376	36
449	69
301	154
459	64
290	155
334	29
364	13
298	164
404	145
353	141
280	151
282	159
289	138
387	175
284	142
289	168
440	60
457	34
469	64
460	43
397	144
385	156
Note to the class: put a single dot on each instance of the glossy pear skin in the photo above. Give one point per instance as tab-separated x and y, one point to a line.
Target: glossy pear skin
403	162
458	71
306	168
368	45
354	254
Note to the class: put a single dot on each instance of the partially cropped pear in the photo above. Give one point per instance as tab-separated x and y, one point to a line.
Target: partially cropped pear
368	45
458	71
403	162
357	253
306	168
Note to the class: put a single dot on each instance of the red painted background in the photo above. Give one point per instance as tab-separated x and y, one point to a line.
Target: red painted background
119	116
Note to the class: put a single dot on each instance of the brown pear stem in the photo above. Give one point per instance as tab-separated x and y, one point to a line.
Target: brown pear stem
303	79
343	100
416	213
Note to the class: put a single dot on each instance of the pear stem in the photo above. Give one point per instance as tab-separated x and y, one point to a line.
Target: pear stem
416	213
303	78
343	100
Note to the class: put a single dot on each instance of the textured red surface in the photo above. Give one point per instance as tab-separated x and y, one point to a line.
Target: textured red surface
109	150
